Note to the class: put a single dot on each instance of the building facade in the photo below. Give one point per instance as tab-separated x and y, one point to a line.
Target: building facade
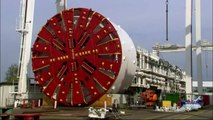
158	74
6	95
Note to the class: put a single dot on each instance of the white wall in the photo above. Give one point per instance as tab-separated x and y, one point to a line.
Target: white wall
6	98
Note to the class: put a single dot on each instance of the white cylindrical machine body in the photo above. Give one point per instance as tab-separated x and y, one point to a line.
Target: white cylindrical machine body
128	64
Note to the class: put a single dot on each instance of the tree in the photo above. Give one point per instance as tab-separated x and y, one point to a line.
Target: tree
11	74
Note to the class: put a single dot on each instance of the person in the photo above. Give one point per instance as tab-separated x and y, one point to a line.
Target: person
115	106
115	111
155	100
179	105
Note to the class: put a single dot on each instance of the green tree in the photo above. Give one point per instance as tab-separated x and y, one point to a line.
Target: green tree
11	74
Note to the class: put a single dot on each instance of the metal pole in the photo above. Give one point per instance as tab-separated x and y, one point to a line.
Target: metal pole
188	46
167	20
198	44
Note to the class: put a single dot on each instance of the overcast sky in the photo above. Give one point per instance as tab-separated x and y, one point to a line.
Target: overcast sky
143	20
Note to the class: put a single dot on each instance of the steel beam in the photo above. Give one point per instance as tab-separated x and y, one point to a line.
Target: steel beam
198	44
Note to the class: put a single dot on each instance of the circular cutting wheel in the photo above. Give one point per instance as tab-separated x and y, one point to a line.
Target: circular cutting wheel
76	56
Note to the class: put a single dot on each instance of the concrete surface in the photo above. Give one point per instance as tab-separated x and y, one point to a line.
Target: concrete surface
81	113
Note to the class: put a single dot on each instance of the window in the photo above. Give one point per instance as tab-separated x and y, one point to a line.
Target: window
16	88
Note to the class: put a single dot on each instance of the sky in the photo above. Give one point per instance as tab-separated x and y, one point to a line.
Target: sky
143	20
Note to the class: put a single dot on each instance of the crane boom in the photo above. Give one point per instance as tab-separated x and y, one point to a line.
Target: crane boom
25	27
61	5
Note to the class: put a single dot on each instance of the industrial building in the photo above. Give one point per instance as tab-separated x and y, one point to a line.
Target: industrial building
8	93
156	73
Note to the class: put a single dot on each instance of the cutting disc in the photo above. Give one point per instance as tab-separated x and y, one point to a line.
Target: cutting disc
76	56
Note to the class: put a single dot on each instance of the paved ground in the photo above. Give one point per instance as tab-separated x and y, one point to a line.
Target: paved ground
130	114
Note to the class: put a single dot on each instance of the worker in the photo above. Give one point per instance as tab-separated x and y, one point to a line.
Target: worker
155	99
115	106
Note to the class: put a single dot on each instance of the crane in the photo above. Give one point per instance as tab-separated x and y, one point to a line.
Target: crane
25	28
61	5
188	48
